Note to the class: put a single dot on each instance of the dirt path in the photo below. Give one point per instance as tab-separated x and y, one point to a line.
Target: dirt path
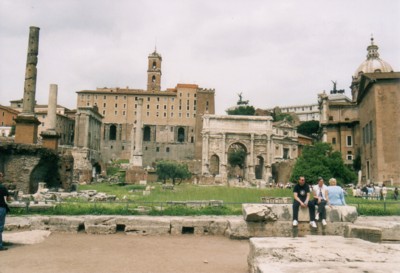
62	253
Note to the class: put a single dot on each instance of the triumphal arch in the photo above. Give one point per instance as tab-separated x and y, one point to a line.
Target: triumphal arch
262	141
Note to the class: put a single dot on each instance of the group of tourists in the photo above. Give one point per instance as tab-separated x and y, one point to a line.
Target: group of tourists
322	196
370	191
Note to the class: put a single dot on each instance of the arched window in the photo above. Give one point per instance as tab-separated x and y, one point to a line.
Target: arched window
146	133
153	79
181	134
154	65
113	132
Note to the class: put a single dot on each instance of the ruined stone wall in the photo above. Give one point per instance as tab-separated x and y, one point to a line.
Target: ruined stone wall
282	171
25	166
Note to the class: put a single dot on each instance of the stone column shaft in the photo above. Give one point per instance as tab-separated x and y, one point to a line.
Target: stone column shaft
31	72
52	108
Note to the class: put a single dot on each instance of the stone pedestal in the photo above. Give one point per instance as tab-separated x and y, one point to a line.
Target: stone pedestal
50	139
26	129
135	175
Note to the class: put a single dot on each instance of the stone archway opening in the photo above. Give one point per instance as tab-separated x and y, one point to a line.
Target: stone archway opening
259	168
237	154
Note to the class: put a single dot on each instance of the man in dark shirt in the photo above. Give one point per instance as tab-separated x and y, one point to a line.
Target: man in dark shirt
4	196
301	195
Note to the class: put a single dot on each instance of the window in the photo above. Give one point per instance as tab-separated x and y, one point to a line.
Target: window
172	107
124	105
124	97
187	115
153	79
167	149
165	107
113	132
181	134
148	98
349	155
105	97
116	97
104	104
123	113
157	149
148	106
165	115
146	133
148	114
349	141
116	105
115	112
157	114
330	118
334	140
158	107
104	112
158	98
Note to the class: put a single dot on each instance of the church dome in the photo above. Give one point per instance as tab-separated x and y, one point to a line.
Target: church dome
373	63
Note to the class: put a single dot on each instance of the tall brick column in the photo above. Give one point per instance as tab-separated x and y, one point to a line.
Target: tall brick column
26	129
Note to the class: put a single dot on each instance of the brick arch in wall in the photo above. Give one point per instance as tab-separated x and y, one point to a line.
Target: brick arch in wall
45	171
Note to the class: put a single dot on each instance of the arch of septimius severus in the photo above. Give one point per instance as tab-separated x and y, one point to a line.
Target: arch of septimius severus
263	141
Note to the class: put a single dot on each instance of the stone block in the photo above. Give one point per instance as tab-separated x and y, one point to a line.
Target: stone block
258	213
372	234
390	225
237	229
145	225
17	223
320	254
100	225
65	224
199	225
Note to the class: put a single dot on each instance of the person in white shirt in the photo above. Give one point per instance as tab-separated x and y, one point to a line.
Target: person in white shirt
321	199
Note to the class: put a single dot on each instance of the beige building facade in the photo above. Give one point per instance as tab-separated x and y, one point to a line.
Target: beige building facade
172	119
368	125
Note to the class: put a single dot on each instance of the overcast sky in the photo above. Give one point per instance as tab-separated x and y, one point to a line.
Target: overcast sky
277	53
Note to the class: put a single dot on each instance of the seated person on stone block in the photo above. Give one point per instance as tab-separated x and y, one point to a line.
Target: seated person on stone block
335	194
321	199
301	195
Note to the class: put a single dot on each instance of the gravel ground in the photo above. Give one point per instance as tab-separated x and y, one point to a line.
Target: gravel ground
121	253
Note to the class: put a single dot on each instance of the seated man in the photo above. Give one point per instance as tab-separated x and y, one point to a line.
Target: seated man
335	194
321	199
301	195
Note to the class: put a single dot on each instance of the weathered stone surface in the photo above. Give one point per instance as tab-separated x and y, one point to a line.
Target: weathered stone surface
65	224
390	226
26	237
16	223
321	254
258	213
145	225
371	234
100	225
237	229
201	225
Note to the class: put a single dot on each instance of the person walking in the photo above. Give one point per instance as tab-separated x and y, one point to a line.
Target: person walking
301	195
4	196
321	199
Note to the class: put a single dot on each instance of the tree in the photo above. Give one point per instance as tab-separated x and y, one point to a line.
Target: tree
321	161
308	128
237	158
171	170
242	110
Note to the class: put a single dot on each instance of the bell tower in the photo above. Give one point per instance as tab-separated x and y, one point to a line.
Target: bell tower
154	72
